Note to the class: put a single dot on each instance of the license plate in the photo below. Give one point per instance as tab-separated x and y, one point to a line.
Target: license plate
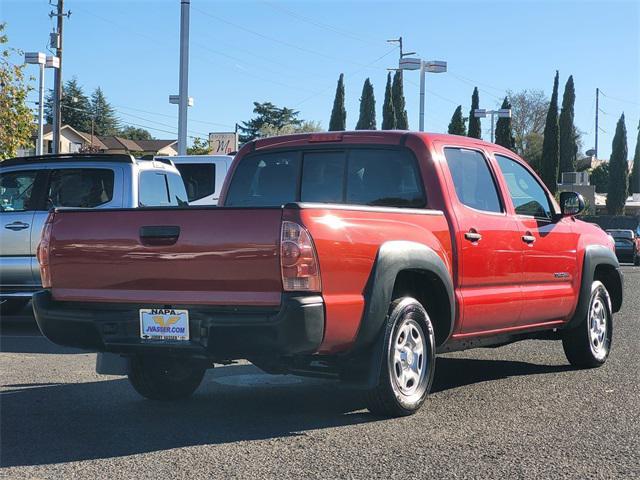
164	324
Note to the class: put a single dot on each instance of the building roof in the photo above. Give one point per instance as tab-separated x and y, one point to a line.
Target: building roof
113	142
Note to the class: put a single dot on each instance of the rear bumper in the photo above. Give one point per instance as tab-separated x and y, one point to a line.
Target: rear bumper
223	333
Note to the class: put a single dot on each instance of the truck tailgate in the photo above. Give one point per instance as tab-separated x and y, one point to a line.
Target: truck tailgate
222	256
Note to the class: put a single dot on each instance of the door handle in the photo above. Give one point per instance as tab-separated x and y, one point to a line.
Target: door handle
159	235
16	226
528	238
473	235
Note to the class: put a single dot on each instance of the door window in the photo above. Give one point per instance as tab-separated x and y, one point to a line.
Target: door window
153	190
528	196
16	190
472	179
177	192
80	187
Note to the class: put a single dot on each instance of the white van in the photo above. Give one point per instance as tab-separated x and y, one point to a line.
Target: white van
203	176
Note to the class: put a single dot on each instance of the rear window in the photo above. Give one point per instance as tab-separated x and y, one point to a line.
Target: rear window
80	187
199	179
159	189
377	177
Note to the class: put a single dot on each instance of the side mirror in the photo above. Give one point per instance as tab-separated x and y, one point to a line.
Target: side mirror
571	203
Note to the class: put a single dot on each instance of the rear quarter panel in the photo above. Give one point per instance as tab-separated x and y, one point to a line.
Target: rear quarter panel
347	241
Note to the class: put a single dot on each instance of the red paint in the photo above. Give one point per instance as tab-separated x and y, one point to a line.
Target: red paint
230	256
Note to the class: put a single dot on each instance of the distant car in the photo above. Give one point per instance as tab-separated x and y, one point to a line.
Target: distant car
203	176
627	245
31	186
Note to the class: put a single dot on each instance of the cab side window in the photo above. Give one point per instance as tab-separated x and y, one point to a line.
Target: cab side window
160	189
528	196
16	190
80	187
473	181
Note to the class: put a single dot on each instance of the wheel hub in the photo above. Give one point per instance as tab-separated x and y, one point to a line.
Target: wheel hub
598	326
408	357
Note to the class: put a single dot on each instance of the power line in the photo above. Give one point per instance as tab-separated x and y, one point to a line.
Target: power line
618	99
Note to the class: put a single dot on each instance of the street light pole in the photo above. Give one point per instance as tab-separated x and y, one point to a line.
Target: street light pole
39	59
501	113
432	66
184	77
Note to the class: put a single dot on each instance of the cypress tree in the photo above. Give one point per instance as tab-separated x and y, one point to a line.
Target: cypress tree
475	130
388	112
550	144
367	120
106	122
504	134
567	133
338	120
402	121
618	171
634	184
457	125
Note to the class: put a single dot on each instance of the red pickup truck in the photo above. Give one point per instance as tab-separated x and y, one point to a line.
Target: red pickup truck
352	255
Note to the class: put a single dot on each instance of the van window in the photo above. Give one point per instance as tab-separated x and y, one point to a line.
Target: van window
472	179
16	189
199	179
363	176
80	187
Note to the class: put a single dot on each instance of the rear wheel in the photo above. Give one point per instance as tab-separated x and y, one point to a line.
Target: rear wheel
165	378
408	361
588	344
636	259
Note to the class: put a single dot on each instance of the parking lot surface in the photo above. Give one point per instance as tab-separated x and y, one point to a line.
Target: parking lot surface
518	411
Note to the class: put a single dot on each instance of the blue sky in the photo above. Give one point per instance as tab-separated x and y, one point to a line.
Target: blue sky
291	53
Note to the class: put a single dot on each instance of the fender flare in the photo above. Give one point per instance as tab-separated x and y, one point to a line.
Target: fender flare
392	258
594	256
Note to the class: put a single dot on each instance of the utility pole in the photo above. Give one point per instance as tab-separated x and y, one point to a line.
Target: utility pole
56	42
184	77
597	110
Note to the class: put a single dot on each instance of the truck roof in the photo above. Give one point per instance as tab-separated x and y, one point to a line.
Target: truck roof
69	157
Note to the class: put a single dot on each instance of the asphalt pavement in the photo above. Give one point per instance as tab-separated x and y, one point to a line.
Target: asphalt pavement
518	411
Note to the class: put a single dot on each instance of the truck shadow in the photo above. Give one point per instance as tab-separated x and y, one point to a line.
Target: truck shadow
56	423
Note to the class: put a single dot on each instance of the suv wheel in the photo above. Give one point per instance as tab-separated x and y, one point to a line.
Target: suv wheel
164	378
588	344
636	259
408	360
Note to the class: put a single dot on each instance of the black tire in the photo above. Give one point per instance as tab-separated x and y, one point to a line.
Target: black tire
636	259
11	306
388	398
588	344
165	378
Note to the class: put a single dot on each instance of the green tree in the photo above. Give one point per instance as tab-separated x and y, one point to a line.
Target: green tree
388	112
457	125
267	114
105	120
134	133
367	120
634	183
475	129
618	171
338	121
568	146
397	93
16	119
504	133
599	177
550	145
528	112
199	147
305	127
76	106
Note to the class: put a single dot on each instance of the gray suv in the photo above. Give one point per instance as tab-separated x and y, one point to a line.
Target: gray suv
31	186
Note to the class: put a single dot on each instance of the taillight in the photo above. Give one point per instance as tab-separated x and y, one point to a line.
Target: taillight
43	251
298	260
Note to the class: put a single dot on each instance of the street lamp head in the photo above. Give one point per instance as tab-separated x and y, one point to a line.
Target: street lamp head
52	62
410	63
436	66
36	58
